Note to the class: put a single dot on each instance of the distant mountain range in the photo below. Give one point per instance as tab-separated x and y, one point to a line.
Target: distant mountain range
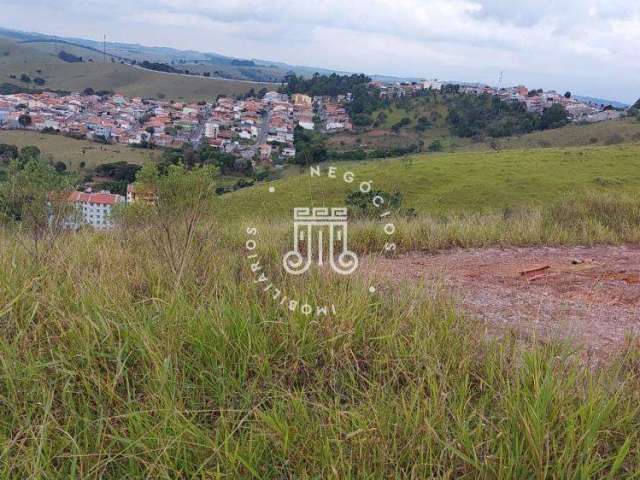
601	101
197	62
212	63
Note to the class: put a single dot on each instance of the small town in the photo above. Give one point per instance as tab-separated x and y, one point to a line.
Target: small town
253	129
535	100
258	130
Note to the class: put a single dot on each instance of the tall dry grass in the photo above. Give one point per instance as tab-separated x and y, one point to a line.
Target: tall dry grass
108	371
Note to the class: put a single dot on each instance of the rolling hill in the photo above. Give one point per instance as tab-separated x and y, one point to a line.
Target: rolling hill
72	152
458	182
216	65
17	58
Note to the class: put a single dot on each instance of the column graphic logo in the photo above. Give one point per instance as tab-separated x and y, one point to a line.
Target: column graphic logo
326	230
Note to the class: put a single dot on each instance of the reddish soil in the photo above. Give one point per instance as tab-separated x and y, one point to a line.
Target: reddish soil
590	296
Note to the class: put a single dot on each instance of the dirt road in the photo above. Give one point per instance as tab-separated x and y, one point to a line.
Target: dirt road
589	296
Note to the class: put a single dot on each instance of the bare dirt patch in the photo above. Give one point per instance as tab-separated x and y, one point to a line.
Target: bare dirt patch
590	296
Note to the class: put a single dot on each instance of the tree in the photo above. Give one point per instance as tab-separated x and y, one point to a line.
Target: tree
435	146
8	152
28	153
173	221
363	204
477	115
567	95
555	116
310	147
119	171
34	200
24	120
39	81
634	111
60	167
69	57
25	78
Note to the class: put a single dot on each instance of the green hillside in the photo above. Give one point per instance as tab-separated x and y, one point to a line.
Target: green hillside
13	54
424	119
16	59
625	130
72	152
456	182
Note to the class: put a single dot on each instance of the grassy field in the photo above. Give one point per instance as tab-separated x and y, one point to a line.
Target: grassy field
614	132
457	182
124	79
115	364
111	369
72	152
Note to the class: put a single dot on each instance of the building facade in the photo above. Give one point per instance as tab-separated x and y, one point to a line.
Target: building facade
94	209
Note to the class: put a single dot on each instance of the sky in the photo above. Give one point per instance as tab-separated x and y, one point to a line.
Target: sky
589	47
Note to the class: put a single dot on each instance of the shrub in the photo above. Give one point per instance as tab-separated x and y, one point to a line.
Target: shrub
614	139
435	146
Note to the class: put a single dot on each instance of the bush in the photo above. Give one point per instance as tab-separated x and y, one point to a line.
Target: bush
364	204
69	57
614	139
402	123
435	146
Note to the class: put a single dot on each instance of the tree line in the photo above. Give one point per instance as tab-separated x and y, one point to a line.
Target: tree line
472	115
317	85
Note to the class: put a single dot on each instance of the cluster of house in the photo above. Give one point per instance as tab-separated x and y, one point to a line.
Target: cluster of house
115	119
537	101
253	129
333	114
263	130
402	89
232	125
534	101
248	128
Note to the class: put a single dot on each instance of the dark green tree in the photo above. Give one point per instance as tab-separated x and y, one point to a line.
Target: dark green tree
554	117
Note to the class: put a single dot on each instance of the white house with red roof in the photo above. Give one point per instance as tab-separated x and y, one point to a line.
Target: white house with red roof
93	209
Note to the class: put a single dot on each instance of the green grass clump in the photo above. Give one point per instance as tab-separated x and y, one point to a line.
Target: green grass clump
109	369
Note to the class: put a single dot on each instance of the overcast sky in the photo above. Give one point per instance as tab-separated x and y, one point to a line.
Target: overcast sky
590	47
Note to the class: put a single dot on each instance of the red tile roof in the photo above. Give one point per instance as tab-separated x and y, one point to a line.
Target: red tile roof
101	198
